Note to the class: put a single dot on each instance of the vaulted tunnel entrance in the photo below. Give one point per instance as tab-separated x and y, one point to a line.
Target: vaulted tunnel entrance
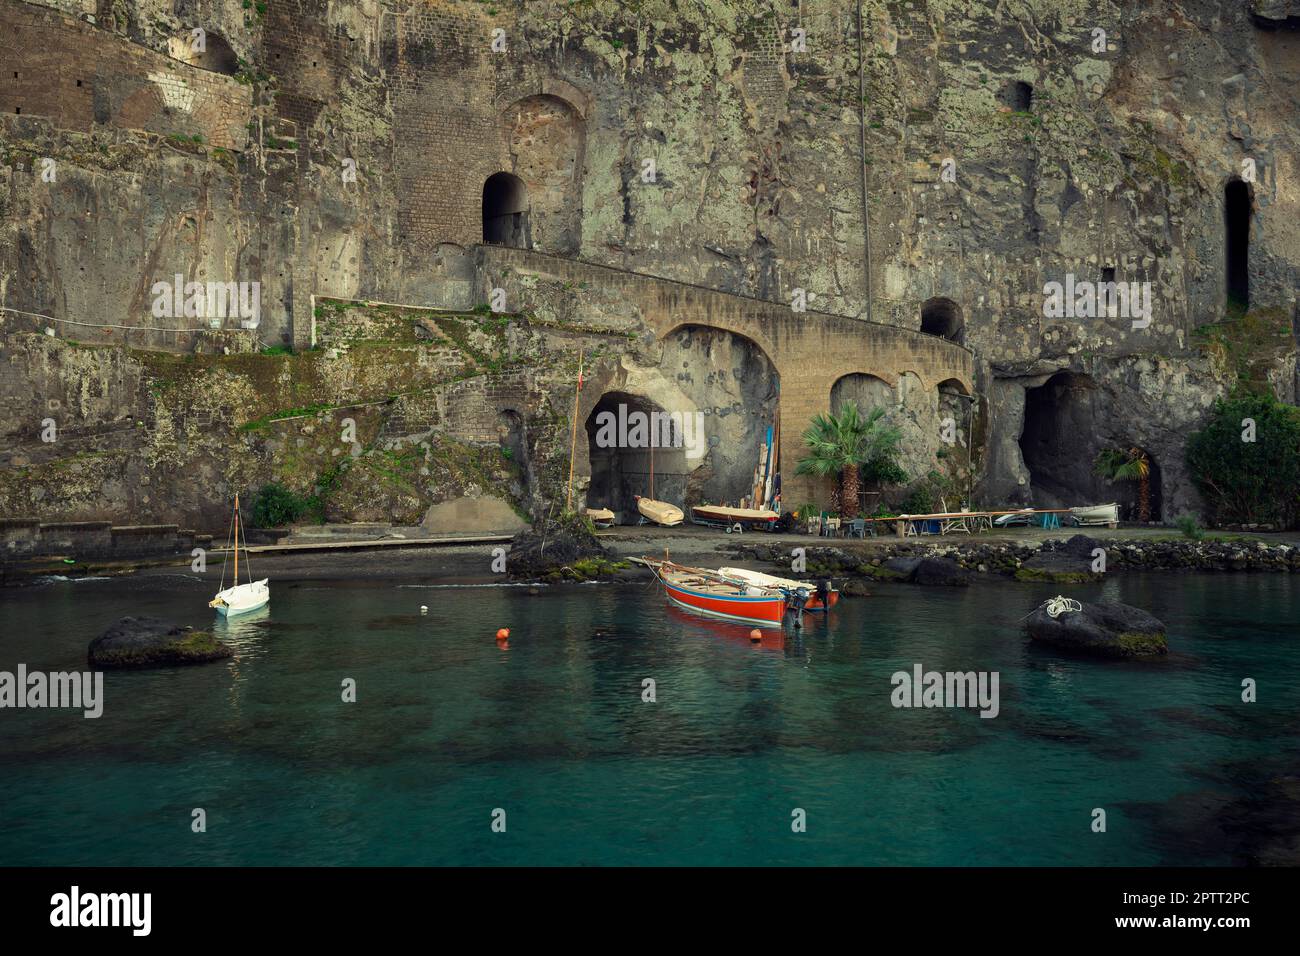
636	448
1058	442
505	211
1065	434
734	384
1236	220
942	317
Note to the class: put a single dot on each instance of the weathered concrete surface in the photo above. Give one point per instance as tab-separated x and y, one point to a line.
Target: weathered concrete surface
484	514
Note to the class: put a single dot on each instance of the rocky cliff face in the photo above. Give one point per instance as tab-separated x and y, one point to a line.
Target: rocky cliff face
350	150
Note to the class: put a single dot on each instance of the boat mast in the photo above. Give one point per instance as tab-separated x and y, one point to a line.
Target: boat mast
236	539
577	389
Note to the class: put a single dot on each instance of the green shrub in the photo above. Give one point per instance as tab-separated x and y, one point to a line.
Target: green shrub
1243	481
1188	525
276	505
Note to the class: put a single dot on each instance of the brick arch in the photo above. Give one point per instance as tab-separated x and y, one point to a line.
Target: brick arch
574	96
750	334
809	351
544	144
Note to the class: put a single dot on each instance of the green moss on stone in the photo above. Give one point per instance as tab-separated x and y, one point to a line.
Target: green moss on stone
1140	644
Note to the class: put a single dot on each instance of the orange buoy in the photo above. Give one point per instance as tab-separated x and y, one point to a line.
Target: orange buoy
503	634
755	635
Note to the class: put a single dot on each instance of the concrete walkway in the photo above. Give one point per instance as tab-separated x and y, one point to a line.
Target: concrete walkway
328	543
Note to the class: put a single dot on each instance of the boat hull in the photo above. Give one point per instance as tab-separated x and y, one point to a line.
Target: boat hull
242	598
660	512
764	609
1096	515
724	515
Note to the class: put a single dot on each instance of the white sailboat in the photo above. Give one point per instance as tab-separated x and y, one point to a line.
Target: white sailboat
240	598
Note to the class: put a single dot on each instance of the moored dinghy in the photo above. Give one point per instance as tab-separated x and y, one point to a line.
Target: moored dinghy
600	517
240	598
714	595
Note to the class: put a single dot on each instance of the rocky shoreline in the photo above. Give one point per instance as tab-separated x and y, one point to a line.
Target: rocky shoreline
1070	560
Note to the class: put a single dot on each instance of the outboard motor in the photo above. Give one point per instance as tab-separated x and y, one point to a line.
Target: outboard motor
797	599
824	593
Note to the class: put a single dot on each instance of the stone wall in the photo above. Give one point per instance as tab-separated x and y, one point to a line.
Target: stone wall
79	77
999	149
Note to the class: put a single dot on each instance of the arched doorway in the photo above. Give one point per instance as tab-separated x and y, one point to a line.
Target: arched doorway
627	436
505	211
735	386
942	317
1236	222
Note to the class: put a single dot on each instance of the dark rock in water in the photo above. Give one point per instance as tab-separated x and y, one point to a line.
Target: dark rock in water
1102	629
1081	546
902	568
149	642
942	572
550	545
1070	564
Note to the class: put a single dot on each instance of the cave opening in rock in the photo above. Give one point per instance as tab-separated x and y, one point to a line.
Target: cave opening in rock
1066	429
621	467
942	317
1058	441
1019	95
505	211
216	54
1236	220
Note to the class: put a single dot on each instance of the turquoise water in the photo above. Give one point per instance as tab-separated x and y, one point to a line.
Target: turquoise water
448	727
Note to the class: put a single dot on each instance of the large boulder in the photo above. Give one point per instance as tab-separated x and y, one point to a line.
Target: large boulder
1067	563
923	570
150	642
941	572
1102	629
551	545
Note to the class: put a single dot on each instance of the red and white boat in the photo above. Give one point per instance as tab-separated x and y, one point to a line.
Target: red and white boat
714	595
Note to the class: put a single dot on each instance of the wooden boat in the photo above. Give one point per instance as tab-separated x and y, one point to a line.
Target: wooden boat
240	598
1097	515
660	512
785	584
714	595
721	514
600	517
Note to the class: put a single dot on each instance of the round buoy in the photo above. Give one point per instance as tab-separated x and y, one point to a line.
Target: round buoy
503	634
755	635
424	609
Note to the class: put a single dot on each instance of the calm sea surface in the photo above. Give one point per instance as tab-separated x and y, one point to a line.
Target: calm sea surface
447	728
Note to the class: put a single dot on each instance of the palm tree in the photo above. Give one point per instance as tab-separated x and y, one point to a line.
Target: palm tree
1114	464
844	444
